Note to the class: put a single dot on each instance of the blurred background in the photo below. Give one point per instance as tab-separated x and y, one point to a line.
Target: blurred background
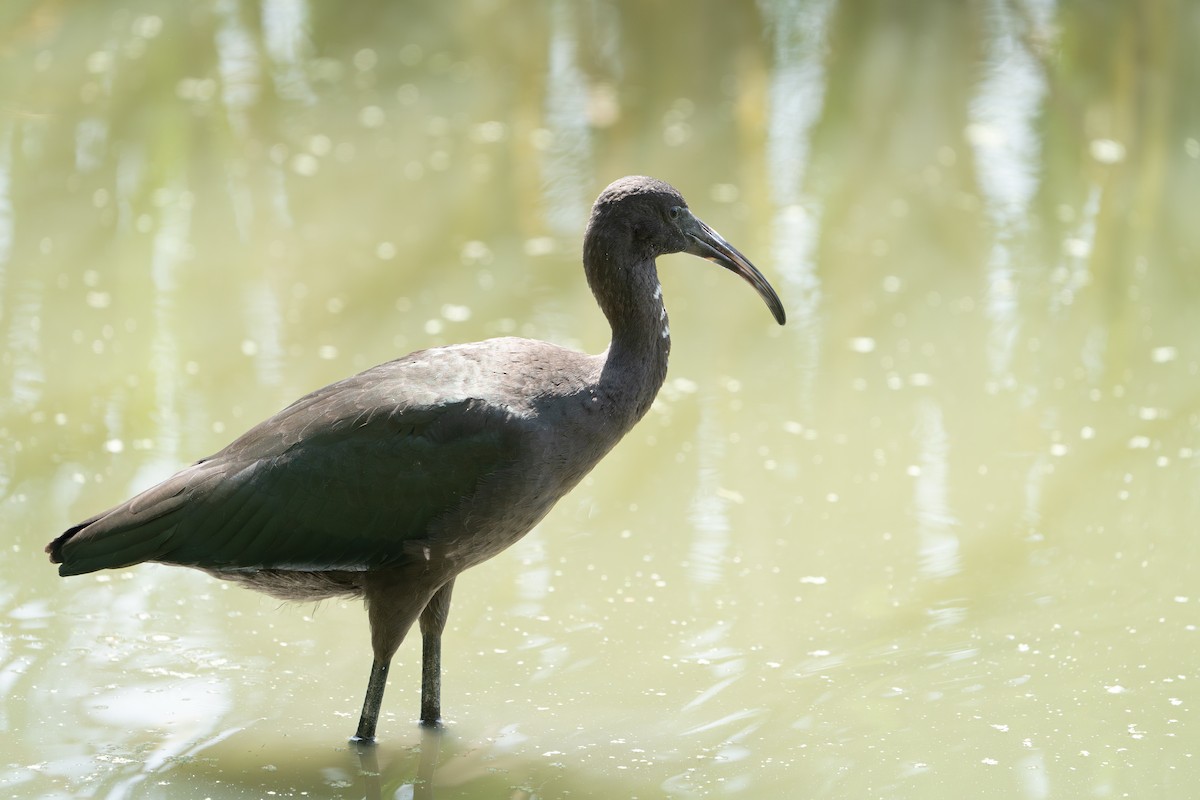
933	538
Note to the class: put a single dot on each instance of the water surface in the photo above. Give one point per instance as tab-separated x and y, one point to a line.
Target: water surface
933	538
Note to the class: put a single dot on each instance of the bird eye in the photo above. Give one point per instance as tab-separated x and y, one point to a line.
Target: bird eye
675	212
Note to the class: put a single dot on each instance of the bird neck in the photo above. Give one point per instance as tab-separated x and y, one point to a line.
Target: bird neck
628	291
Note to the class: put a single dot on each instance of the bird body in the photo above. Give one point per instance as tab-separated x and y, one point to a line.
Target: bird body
390	483
395	463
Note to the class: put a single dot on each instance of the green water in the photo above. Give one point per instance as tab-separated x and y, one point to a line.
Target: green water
933	538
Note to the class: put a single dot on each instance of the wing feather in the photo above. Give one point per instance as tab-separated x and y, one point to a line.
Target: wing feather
339	482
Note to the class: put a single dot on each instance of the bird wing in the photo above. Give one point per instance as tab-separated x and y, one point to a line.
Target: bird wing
345	478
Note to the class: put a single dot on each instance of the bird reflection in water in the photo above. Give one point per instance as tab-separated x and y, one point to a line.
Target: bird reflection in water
421	785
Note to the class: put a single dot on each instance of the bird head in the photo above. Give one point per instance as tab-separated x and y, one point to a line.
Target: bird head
655	220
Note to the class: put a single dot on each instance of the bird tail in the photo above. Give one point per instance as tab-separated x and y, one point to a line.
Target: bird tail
135	531
54	549
103	544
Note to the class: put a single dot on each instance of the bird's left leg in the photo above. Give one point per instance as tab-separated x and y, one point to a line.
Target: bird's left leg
433	622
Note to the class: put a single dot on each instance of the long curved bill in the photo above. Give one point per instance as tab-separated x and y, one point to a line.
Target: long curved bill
706	243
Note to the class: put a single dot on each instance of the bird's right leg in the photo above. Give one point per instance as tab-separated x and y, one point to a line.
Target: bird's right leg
371	703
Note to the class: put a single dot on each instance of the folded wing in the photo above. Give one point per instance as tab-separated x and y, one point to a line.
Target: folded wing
342	479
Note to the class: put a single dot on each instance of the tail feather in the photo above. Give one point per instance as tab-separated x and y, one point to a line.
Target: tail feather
115	548
135	531
54	549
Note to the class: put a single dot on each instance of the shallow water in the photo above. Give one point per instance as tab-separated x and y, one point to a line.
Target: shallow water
933	538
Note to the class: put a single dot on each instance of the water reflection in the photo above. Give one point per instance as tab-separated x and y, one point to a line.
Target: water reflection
157	673
420	787
285	32
238	60
264	332
797	94
1007	151
566	150
170	250
24	345
1074	272
6	203
91	136
707	552
937	542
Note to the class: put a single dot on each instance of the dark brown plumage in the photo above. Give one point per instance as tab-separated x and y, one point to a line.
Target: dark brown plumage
390	483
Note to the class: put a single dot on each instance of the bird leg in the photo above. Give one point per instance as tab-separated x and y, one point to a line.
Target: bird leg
433	622
395	598
371	703
393	603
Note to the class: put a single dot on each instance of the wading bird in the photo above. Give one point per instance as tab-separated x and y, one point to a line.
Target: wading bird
388	484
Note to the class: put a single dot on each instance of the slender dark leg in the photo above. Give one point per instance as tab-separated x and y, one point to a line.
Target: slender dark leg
371	703
433	622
